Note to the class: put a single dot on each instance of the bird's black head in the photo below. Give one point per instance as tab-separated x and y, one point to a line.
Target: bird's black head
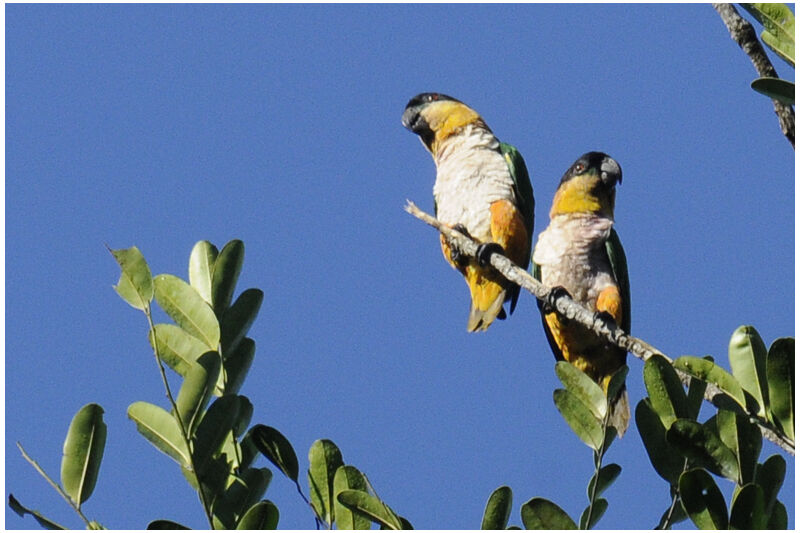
426	98
599	163
415	121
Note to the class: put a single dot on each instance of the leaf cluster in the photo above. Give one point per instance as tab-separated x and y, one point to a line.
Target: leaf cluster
207	346
778	35
687	453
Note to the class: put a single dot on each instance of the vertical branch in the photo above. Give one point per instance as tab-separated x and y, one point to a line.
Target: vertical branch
745	36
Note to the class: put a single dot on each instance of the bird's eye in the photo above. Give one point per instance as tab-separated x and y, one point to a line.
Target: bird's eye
580	167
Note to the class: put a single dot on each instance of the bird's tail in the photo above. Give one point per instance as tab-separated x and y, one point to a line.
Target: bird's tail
620	412
487	295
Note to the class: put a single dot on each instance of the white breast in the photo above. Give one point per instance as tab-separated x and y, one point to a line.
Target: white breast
471	174
571	253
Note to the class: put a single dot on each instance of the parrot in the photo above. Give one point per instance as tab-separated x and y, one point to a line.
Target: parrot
483	189
581	254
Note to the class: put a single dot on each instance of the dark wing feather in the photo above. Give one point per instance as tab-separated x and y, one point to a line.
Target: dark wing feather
524	193
536	272
619	266
522	186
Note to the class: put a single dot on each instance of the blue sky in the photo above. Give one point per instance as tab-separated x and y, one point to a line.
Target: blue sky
161	125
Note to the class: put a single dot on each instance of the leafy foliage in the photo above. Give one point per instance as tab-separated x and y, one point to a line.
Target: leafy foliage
728	443
207	345
206	428
778	35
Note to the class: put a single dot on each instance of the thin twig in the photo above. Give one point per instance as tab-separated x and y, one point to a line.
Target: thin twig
55	485
745	36
174	405
572	310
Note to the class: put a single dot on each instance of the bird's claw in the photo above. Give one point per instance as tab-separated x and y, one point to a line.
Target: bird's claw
455	254
485	251
605	317
549	304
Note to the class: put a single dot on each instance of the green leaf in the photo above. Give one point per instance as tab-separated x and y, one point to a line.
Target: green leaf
747	508
213	477
616	382
743	438
748	358
702	500
185	306
324	459
697	441
780	378
135	284
778	519
580	418
778	34
538	513
83	453
604	479
238	318
694	397
197	388
707	371
498	509
165	524
775	88
664	387
348	477
161	429
176	347
244	417
243	491
370	507
219	420
235	368
598	510
201	268
40	518
583	388
227	267
663	456
277	448
769	476
247	449
263	515
611	434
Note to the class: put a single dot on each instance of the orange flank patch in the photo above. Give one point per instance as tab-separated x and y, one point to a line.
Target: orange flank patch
610	301
509	231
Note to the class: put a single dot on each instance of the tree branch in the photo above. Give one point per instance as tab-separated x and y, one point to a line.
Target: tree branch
572	310
745	36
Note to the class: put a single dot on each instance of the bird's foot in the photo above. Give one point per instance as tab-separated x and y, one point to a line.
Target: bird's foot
485	251
605	317
455	254
549	304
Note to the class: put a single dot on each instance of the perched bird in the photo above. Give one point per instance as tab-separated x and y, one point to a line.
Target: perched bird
579	252
482	189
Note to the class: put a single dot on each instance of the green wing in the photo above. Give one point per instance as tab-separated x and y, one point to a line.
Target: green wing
619	266
524	193
522	186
